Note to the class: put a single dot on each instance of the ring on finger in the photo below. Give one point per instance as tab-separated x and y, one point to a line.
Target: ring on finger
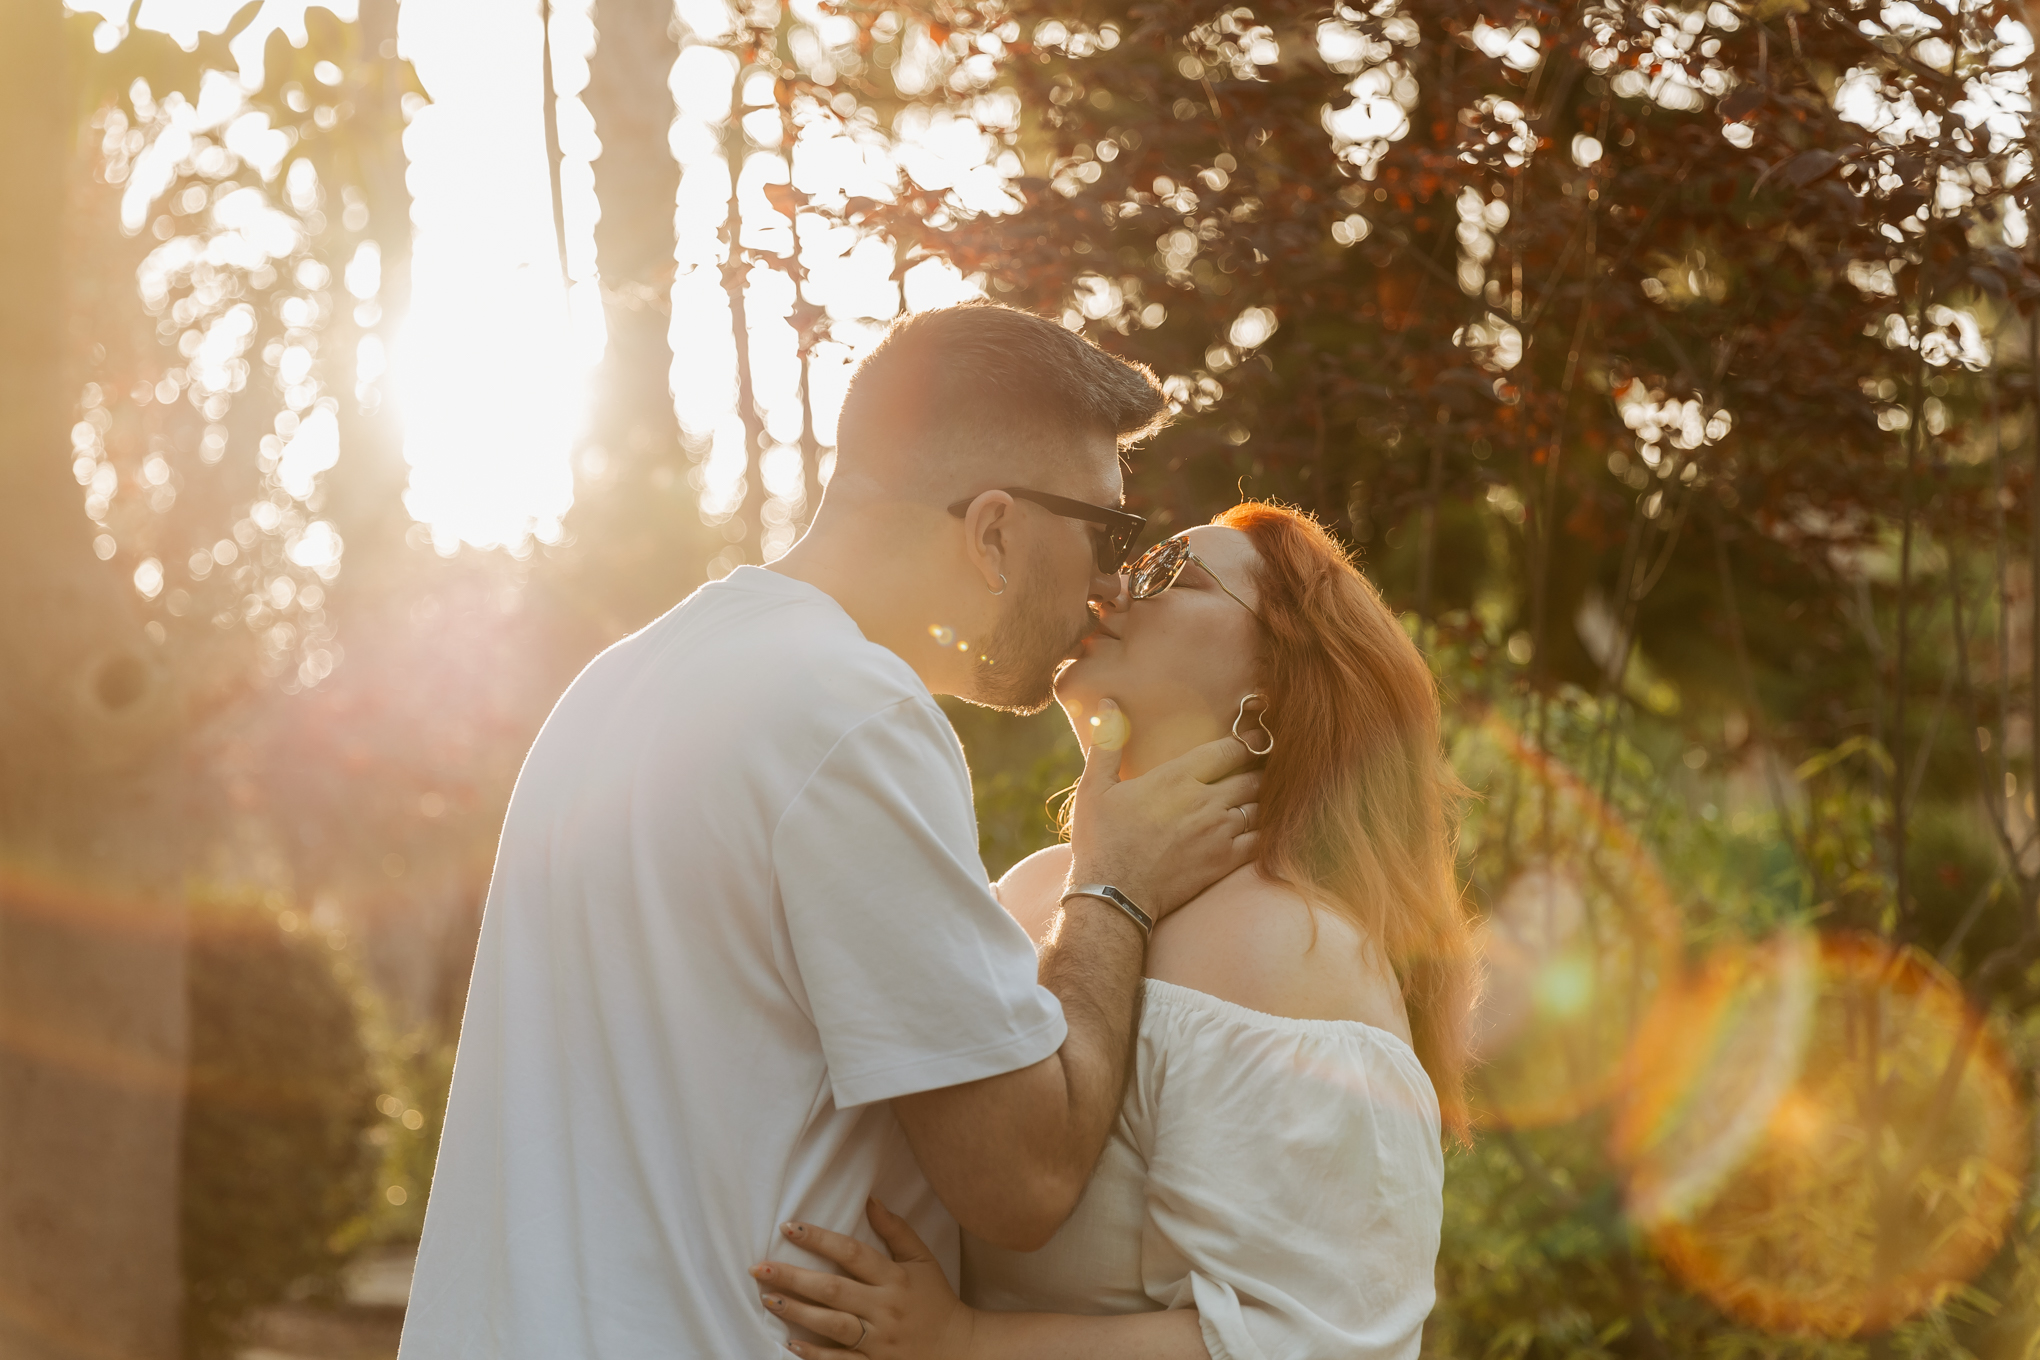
1246	822
863	1330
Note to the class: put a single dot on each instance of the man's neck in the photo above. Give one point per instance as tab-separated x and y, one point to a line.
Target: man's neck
884	588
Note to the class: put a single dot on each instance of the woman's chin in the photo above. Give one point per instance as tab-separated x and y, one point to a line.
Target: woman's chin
1072	690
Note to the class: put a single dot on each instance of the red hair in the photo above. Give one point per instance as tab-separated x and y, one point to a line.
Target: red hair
1358	805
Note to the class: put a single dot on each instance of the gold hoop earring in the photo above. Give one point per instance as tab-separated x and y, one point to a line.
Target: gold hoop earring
1260	721
1002	585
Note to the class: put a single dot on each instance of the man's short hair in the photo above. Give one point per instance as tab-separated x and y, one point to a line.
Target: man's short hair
985	393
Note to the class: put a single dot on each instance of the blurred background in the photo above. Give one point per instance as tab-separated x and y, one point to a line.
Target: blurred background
365	369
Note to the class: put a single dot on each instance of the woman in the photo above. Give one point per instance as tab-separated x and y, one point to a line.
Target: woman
1273	1185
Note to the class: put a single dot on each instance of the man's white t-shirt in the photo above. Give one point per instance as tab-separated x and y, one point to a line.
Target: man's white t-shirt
737	908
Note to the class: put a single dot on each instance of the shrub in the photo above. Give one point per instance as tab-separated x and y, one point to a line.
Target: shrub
279	1096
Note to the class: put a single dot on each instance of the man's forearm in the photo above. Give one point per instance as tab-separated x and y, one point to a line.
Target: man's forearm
1092	961
1010	1155
1171	1335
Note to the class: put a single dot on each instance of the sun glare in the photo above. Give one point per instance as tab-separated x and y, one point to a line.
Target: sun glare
491	368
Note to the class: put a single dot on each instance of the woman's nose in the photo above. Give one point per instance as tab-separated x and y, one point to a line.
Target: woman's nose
1112	593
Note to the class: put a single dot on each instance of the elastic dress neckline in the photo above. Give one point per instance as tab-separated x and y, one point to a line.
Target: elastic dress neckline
1175	996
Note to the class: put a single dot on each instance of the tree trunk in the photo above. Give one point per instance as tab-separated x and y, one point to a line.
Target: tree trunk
91	856
636	521
810	444
736	278
364	491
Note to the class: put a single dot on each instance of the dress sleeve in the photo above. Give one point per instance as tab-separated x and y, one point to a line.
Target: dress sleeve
1295	1187
913	975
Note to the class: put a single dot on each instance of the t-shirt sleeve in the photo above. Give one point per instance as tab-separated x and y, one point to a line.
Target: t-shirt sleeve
914	976
1293	1194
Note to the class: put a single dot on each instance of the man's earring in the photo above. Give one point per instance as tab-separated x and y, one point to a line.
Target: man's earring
1002	585
1260	721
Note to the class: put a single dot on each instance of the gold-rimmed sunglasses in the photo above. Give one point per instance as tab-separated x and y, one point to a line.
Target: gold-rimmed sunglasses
1155	570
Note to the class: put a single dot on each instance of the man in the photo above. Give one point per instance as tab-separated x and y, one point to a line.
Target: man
740	964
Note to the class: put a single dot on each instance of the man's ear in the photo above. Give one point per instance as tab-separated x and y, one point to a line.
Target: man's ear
987	531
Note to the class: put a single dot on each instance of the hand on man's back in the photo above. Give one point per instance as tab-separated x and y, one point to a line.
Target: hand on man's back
1166	836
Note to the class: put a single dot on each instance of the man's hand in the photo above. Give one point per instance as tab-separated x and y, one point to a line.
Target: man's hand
1167	836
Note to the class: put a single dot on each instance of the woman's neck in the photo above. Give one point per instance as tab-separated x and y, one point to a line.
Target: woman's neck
1158	738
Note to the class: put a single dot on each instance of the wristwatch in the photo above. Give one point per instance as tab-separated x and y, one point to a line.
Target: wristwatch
1105	892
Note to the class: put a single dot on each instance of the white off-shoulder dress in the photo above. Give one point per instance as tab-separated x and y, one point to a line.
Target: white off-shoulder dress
1284	1177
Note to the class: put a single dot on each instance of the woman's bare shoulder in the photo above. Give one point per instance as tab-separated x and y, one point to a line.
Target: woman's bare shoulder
1262	945
1031	890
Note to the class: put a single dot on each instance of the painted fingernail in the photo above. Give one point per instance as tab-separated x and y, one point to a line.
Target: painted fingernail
762	1272
774	1302
792	1229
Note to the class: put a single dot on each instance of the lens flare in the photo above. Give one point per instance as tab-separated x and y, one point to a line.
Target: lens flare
1109	729
1576	940
1822	1137
1713	1066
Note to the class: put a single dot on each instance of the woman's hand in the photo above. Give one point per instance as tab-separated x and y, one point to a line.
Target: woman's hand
898	1309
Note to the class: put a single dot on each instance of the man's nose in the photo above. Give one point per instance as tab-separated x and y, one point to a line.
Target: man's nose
1111	592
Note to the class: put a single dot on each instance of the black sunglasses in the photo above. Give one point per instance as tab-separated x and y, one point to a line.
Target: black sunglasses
1121	529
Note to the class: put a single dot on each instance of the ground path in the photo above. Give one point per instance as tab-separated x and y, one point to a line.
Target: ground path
365	1325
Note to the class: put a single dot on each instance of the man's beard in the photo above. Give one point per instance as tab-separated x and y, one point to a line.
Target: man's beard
1025	651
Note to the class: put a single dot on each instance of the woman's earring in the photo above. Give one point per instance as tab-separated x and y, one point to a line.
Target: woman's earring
1260	721
1002	585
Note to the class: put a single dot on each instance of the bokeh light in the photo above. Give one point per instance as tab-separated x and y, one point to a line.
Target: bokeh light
1821	1136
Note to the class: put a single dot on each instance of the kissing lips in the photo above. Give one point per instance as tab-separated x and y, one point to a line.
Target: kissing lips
1083	643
